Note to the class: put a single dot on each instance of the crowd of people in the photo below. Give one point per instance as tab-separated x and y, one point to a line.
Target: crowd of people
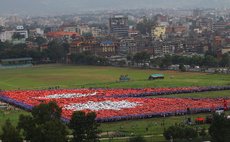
118	104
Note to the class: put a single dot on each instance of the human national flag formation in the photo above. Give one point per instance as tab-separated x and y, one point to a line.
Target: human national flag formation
118	104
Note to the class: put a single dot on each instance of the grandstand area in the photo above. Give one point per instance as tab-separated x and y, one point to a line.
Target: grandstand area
15	63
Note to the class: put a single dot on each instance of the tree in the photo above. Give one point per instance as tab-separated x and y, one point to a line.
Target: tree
196	60
10	133
84	126
210	61
180	132
46	112
141	57
86	58
44	124
166	61
40	41
182	68
225	61
55	131
220	128
56	51
137	139
26	123
203	133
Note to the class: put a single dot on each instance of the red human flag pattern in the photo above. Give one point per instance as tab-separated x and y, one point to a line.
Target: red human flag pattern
108	103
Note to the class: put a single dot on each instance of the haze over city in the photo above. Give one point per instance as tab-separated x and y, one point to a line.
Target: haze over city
55	7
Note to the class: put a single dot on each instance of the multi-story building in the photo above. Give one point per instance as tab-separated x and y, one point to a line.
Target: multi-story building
197	13
103	48
219	26
18	35
118	26
128	46
225	49
2	21
83	46
96	32
107	48
62	35
161	48
70	29
83	29
6	36
158	32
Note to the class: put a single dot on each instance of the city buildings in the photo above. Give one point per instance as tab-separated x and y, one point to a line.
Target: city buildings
118	26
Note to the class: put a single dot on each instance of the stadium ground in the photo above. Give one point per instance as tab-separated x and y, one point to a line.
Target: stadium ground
65	76
45	76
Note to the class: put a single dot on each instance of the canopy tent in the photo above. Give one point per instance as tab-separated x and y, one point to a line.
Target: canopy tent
156	76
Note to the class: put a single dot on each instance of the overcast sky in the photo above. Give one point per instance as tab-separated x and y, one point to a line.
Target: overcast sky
50	7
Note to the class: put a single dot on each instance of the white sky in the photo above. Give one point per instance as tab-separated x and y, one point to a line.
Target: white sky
70	6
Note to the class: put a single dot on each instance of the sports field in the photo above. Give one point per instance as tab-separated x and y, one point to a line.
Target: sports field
65	76
39	77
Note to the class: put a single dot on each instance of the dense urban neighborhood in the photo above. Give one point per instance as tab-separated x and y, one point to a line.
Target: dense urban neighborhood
195	40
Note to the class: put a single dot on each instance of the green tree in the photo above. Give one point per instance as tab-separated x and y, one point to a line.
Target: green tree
27	124
220	128
87	58
180	132
137	139
210	61
182	67
166	61
10	133
40	41
54	131
225	61
196	60
141	57
44	124
84	126
46	112
56	51
203	133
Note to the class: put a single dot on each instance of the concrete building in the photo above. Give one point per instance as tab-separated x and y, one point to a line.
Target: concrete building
161	48
118	26
107	48
6	36
62	35
128	46
20	35
96	32
70	29
2	21
197	13
158	32
83	29
219	26
225	49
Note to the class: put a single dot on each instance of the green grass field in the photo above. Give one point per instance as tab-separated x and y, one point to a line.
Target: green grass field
42	77
12	115
213	94
39	77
